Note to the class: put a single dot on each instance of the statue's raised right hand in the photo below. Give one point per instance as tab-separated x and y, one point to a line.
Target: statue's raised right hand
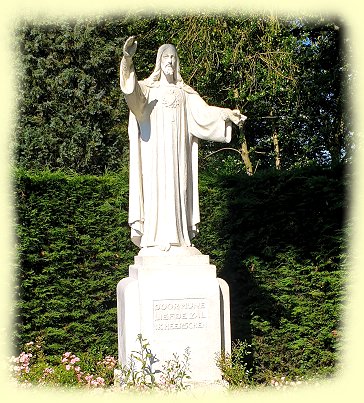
130	47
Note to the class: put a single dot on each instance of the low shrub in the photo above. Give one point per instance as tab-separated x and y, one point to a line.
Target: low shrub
33	368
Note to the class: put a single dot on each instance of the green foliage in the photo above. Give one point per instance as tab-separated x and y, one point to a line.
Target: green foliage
278	239
139	373
73	246
92	370
234	366
289	76
306	322
175	371
71	114
33	367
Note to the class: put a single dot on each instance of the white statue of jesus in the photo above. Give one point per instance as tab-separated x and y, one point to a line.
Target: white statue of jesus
167	118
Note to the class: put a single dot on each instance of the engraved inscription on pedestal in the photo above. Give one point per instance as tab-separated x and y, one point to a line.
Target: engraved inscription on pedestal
180	314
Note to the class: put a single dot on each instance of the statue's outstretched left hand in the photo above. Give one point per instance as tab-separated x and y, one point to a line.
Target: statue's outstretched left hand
236	117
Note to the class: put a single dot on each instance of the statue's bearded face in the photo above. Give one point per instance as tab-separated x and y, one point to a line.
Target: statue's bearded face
168	61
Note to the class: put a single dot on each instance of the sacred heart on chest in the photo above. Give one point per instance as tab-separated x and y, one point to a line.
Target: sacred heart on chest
171	97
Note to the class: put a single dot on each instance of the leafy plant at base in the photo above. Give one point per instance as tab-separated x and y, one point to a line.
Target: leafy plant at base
234	366
32	367
174	372
139	373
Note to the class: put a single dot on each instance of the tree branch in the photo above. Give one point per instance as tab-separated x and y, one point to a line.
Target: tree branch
223	149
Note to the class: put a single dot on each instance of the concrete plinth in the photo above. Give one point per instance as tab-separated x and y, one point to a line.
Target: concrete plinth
175	302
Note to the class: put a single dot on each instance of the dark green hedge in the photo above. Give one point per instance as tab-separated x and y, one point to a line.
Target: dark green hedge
277	238
74	247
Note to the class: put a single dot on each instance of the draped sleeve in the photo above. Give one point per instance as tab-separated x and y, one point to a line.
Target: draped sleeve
207	122
134	92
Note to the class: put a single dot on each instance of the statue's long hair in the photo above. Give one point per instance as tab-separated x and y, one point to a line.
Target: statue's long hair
155	76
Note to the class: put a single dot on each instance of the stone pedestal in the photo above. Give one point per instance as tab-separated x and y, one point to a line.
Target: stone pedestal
175	301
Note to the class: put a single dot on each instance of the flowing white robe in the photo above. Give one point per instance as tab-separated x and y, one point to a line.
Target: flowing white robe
165	124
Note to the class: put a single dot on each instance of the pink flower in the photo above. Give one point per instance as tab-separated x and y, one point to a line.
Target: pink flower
23	357
74	360
68	367
109	362
88	378
100	381
48	371
64	360
77	369
67	354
